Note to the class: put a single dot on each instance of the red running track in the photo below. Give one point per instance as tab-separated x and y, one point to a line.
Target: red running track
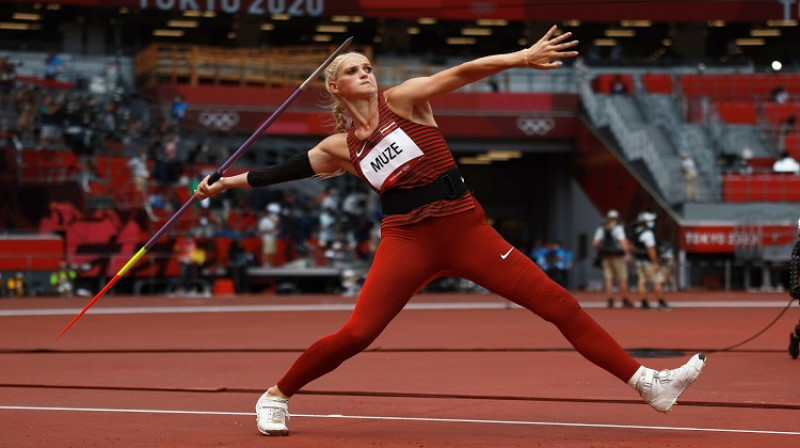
450	371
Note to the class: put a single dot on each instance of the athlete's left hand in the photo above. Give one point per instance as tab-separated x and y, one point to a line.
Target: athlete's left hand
544	54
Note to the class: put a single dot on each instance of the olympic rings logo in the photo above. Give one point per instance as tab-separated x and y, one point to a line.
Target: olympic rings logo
218	120
535	125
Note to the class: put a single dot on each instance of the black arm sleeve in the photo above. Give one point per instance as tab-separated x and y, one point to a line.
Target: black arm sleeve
295	167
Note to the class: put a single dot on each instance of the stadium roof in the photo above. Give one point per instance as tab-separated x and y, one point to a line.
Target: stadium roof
645	30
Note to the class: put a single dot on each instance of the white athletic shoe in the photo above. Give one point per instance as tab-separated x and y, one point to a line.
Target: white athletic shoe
271	415
661	389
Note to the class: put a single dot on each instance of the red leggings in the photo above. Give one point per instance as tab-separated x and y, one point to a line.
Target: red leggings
462	245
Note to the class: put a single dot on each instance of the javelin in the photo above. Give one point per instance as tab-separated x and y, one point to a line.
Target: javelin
213	178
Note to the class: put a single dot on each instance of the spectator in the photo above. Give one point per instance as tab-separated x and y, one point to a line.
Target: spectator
780	95
141	176
745	167
168	168
51	117
329	199
15	286
618	86
76	136
339	252
8	75
109	123
52	65
171	146
113	74
689	170
25	105
785	129
207	226
352	281
786	164
354	205
563	264
553	258
268	230
178	111
327	227
63	280
190	258
539	254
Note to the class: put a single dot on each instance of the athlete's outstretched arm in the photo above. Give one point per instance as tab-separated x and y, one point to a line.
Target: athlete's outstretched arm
329	157
545	54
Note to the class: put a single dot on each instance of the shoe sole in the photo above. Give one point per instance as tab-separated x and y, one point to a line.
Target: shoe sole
702	357
284	432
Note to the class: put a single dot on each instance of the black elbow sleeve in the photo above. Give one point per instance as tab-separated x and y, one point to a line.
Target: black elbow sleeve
295	167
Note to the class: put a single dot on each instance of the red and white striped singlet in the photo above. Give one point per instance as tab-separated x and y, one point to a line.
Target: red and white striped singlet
436	159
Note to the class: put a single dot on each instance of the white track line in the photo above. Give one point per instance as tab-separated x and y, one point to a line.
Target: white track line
413	419
346	307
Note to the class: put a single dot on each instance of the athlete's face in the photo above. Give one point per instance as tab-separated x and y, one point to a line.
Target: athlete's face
355	77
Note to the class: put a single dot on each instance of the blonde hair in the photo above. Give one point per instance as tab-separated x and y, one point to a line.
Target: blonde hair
337	108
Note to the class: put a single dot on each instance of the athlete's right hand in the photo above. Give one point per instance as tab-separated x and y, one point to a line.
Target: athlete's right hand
204	190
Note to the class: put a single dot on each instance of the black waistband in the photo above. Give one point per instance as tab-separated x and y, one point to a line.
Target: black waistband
449	185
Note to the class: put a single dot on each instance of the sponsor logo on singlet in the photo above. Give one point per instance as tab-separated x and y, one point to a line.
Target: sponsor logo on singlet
390	159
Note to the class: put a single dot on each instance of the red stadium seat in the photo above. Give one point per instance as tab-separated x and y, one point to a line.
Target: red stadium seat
602	83
657	82
742	112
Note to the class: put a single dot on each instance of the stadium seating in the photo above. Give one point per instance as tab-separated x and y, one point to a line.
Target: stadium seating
48	167
766	187
746	99
745	87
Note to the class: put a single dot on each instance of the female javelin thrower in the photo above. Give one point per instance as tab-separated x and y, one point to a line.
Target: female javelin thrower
433	226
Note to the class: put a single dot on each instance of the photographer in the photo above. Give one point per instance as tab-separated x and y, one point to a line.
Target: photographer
648	262
613	251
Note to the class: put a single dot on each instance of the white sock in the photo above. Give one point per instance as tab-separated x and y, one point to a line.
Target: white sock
635	378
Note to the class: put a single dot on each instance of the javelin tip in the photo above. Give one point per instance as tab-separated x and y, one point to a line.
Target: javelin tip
88	305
